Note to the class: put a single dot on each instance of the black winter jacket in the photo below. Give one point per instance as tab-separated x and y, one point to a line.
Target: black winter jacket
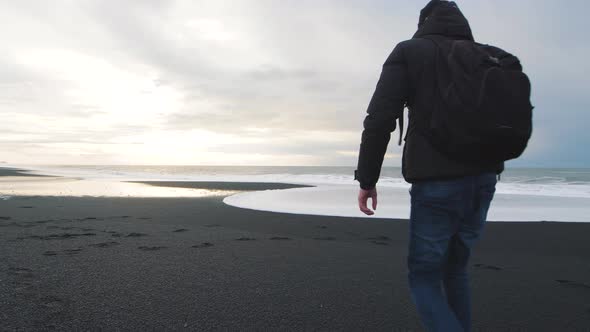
408	80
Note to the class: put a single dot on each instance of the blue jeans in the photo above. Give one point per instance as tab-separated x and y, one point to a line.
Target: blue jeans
446	220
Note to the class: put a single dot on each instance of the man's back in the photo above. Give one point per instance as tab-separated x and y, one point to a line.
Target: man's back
409	79
421	160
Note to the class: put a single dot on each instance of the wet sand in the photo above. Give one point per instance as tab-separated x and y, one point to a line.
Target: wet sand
9	171
87	263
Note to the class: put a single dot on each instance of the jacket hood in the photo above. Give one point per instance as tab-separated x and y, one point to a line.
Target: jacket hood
443	18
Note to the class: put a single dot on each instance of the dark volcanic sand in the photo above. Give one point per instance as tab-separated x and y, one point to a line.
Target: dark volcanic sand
123	264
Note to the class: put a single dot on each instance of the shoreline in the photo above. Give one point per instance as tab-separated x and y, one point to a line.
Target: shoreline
300	198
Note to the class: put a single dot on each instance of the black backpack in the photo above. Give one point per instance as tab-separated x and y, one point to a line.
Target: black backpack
484	113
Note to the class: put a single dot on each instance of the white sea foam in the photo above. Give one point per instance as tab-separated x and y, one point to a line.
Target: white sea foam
340	200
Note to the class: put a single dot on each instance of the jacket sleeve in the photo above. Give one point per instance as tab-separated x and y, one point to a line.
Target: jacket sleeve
386	106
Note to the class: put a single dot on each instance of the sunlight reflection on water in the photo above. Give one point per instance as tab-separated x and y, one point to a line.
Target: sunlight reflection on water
75	187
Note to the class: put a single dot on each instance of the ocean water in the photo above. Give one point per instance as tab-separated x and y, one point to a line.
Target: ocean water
558	182
523	194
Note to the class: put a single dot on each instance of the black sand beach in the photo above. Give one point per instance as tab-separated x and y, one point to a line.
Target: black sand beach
197	264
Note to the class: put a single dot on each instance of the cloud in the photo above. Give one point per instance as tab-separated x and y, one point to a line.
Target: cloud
277	80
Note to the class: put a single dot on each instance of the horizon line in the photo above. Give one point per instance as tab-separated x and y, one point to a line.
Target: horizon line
9	165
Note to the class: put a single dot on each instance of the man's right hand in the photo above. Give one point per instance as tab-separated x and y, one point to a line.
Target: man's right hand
364	196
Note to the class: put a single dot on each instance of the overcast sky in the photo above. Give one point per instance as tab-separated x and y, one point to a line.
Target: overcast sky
252	82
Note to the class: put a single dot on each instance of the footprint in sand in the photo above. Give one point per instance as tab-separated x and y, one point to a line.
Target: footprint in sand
180	230
133	234
86	219
104	244
573	284
245	239
15	224
146	248
21	271
280	238
325	238
43	221
67	228
67	236
488	267
203	245
72	251
118	217
67	252
61	236
113	233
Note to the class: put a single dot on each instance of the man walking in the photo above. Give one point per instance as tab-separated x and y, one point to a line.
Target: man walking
450	196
